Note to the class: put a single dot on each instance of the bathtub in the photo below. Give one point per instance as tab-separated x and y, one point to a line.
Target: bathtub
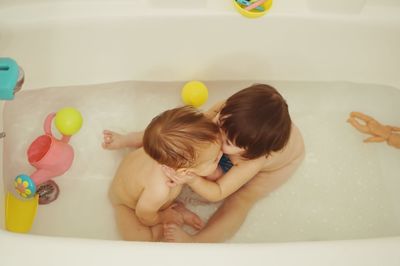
304	43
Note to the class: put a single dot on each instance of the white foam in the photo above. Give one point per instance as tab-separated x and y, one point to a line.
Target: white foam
345	189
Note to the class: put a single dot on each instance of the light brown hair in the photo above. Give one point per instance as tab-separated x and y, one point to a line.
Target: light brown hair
256	119
173	137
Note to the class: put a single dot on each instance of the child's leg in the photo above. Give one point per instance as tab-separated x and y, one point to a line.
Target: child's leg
189	217
130	228
227	220
113	140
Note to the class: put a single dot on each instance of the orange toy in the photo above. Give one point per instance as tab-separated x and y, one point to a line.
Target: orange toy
378	131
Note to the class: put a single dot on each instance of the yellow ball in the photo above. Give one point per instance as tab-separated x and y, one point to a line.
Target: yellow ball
194	93
68	121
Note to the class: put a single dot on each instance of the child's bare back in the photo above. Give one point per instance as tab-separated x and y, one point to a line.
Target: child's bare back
293	151
138	173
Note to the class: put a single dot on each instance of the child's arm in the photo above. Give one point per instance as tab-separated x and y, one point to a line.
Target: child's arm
229	183
149	204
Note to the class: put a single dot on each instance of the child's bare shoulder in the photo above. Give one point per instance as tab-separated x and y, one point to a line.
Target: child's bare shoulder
295	145
139	176
293	150
157	182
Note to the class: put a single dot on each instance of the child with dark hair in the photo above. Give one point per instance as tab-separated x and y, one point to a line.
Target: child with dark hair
262	149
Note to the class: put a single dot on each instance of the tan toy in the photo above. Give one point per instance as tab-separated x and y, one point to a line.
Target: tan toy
378	131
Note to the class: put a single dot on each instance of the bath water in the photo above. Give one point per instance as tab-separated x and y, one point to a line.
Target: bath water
345	189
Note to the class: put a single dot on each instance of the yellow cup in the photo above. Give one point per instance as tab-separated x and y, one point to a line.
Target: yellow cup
253	13
20	214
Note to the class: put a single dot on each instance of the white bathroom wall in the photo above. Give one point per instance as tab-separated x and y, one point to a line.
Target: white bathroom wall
335	6
75	42
71	44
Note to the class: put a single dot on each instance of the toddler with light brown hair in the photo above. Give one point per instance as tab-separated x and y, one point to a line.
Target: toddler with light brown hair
183	139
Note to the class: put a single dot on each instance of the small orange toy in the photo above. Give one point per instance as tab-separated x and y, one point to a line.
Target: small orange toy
379	132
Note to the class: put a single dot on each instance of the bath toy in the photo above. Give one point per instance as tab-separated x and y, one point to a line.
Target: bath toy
252	8
51	157
379	132
255	5
11	78
194	93
248	4
25	186
20	214
68	121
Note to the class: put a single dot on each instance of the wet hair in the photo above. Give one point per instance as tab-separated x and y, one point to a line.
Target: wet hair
174	137
256	119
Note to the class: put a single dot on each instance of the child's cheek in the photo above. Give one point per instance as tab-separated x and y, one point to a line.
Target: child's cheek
211	169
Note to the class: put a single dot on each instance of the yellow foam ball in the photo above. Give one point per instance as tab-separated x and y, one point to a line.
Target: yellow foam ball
68	121
194	93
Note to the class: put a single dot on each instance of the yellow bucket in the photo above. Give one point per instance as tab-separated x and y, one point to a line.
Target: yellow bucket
253	13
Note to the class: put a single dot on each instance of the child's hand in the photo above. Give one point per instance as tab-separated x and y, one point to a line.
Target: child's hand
175	178
170	215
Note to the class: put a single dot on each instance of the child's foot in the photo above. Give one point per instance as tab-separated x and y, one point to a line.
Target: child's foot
189	217
113	140
173	233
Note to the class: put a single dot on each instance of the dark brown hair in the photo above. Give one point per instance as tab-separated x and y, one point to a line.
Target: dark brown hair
256	119
173	137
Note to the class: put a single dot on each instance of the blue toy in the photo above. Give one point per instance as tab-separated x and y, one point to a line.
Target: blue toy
247	3
11	78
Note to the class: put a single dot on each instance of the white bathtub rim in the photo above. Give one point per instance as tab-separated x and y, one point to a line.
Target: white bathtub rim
34	237
348	252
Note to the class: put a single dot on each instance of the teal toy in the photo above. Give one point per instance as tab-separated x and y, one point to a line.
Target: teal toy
11	78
